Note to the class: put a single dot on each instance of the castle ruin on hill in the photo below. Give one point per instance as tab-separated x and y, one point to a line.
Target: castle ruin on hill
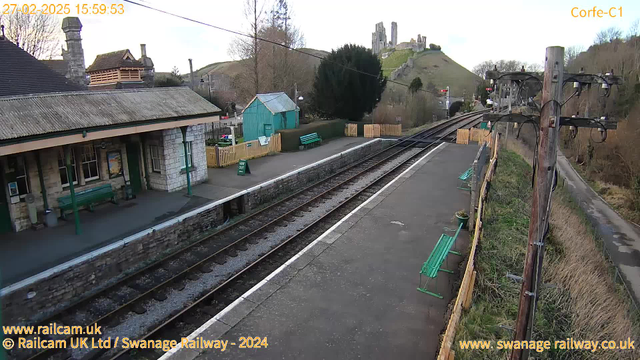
379	40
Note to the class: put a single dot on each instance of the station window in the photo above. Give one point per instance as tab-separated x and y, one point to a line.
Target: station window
90	163
189	155
156	159
64	179
18	166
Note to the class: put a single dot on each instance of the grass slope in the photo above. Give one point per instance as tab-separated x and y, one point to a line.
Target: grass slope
433	66
395	60
583	301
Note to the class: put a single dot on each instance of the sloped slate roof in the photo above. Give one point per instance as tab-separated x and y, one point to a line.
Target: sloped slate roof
113	60
21	73
59	66
24	116
275	102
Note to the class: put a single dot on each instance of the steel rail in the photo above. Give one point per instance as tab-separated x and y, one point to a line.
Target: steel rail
291	238
425	133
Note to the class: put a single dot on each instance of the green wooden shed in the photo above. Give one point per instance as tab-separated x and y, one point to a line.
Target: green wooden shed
267	113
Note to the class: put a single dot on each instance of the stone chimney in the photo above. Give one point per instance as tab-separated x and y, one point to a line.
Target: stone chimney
148	72
74	55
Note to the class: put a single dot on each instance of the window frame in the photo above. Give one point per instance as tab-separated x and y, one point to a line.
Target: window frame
156	157
95	159
189	152
64	166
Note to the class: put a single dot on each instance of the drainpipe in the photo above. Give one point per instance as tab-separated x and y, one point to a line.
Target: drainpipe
76	218
186	159
41	177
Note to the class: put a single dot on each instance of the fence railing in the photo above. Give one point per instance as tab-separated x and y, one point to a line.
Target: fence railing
351	130
377	130
464	136
468	280
229	155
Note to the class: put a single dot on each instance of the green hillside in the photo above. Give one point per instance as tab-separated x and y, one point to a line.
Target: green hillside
437	68
395	60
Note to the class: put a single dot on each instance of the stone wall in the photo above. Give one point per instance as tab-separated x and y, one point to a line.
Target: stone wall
54	289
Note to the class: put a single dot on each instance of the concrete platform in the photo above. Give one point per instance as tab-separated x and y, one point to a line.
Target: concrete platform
30	252
352	292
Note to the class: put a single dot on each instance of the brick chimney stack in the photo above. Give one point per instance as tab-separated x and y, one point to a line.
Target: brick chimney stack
148	74
74	55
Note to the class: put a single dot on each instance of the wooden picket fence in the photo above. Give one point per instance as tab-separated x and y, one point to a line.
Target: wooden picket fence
391	129
351	130
229	155
372	130
465	294
479	135
462	136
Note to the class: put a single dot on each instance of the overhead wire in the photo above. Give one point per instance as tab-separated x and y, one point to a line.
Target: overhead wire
377	76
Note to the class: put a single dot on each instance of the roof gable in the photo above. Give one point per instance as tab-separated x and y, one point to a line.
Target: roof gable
275	102
22	73
114	60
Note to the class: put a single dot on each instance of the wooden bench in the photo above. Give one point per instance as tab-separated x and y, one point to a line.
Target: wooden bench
310	139
465	176
87	198
433	265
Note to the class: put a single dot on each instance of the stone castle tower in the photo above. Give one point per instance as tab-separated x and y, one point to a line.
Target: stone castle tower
378	38
74	55
394	34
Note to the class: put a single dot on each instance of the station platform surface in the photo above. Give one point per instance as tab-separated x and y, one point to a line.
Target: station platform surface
29	252
352	292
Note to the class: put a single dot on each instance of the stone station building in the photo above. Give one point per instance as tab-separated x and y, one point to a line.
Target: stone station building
116	137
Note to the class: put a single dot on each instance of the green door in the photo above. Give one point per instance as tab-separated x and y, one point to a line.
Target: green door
5	216
133	156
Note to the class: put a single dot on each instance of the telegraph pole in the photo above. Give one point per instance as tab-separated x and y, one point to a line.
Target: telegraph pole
541	201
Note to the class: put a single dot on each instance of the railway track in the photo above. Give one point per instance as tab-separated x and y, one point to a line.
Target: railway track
178	290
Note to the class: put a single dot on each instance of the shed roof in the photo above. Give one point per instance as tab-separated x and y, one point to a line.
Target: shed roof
59	66
114	60
31	115
275	102
21	73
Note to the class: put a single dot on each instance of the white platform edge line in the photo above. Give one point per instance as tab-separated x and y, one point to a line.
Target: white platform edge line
121	243
243	297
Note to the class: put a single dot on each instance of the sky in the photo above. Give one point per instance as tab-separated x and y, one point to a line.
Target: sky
468	31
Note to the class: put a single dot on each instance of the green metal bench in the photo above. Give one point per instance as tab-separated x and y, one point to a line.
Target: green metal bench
310	139
433	265
465	176
87	198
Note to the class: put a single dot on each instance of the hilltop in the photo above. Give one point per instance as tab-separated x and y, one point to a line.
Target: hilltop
434	68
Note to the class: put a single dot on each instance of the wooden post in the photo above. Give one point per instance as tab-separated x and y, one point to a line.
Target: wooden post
469	294
43	188
541	200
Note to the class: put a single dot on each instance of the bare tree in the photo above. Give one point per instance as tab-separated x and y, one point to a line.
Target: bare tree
248	48
571	53
633	29
608	35
39	35
482	68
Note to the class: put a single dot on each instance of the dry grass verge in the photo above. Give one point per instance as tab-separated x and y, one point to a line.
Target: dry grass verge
581	300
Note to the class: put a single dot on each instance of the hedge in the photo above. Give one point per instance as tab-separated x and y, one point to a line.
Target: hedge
327	129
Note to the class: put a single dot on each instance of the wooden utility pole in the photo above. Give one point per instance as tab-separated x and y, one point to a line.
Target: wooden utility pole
541	201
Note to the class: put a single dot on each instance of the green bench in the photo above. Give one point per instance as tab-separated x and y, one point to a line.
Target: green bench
433	265
87	198
465	176
310	139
